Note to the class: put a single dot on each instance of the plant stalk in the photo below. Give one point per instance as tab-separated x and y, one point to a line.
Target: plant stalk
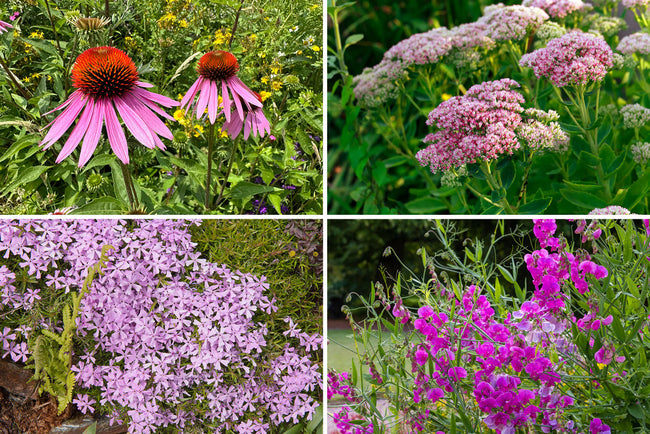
208	178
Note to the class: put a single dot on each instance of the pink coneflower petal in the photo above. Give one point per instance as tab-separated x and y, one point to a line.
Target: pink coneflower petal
93	134
73	96
143	84
213	102
157	98
247	126
238	106
64	120
204	96
116	136
191	94
225	99
134	123
78	131
243	91
5	26
151	120
143	98
234	126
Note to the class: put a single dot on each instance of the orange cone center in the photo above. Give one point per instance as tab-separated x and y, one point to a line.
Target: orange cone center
218	65
104	72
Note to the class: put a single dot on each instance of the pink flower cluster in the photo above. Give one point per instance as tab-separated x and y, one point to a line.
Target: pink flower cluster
635	43
574	59
479	125
630	4
540	131
557	8
177	330
610	210
635	115
512	23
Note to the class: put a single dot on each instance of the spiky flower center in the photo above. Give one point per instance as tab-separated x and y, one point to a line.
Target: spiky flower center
104	72
218	65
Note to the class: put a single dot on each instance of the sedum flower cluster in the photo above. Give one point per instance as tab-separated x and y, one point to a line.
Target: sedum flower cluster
635	115
574	59
557	8
175	340
635	43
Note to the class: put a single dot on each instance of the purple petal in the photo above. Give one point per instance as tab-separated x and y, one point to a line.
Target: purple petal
78	132
243	91
62	122
116	136
225	100
73	96
213	102
247	125
202	103
191	93
151	104
93	134
234	127
235	97
160	99
134	123
143	84
151	121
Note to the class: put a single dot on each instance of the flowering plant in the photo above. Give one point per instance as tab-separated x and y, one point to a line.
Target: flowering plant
432	128
119	142
487	349
164	337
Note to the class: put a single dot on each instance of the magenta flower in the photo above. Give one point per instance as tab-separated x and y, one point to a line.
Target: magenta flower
5	26
214	68
254	122
598	427
106	79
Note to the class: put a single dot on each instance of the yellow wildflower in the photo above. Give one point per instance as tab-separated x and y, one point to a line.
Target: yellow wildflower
179	114
292	253
198	130
276	85
264	95
445	96
264	80
316	48
183	23
36	35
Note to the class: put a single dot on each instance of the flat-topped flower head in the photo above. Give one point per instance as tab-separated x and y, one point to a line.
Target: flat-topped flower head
557	8
635	43
479	125
106	79
512	23
5	26
630	4
576	58
219	68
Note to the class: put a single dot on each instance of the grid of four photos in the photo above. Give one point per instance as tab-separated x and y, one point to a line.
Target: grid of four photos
208	228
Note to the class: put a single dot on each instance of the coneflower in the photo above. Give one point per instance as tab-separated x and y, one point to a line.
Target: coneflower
107	79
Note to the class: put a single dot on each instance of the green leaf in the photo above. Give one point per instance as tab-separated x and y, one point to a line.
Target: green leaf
245	190
28	175
589	159
396	161
99	161
316	421
535	207
296	429
20	144
104	205
582	199
353	39
506	274
276	201
425	205
583	186
92	429
637	191
636	411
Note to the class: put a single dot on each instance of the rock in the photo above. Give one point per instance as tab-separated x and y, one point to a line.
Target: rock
15	380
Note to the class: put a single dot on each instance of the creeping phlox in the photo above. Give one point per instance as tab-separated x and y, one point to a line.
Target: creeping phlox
186	340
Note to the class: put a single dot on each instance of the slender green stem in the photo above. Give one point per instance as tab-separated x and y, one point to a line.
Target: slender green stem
208	178
56	35
337	39
495	186
234	26
130	188
231	159
19	87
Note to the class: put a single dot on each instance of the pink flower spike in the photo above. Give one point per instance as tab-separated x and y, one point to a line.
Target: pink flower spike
106	79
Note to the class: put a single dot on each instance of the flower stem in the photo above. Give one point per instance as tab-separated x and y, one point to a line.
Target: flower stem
230	161
130	188
208	178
